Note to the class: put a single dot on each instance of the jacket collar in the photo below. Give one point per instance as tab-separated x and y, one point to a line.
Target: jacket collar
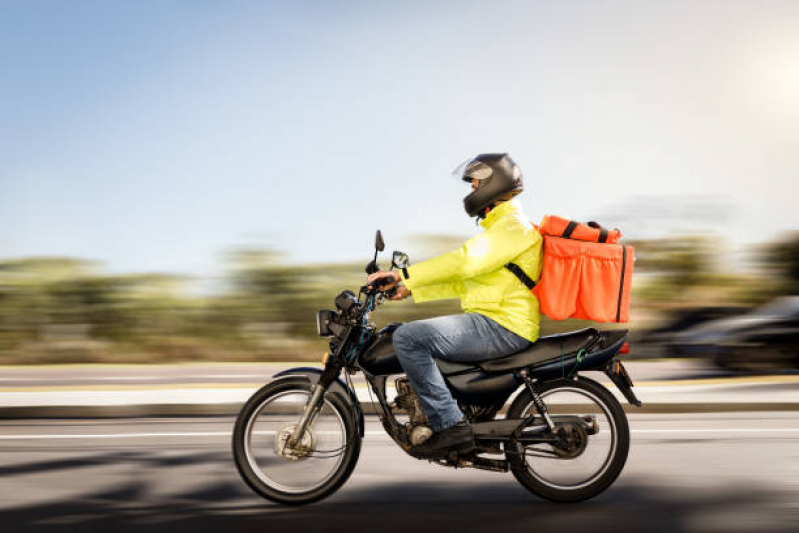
504	209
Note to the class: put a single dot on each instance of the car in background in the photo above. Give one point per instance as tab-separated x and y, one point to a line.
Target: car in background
657	342
765	338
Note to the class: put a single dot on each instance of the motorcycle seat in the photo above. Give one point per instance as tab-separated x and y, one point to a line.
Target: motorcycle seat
544	349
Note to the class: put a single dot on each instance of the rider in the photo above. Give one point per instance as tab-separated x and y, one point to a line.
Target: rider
501	315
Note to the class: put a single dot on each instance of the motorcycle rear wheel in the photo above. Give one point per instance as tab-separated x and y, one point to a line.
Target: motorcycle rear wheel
325	457
554	473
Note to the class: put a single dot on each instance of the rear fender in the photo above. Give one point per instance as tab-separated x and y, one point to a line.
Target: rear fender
338	387
596	358
619	376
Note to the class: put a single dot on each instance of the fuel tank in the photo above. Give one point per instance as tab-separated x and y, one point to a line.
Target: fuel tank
380	359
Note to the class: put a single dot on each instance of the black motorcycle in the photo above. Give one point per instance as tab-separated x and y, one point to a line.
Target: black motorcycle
564	437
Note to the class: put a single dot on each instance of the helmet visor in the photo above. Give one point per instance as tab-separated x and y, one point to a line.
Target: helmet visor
471	169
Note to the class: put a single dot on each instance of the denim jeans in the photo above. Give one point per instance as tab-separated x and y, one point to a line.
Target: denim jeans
461	338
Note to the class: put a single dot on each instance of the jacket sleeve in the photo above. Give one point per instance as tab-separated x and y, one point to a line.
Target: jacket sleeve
486	252
440	291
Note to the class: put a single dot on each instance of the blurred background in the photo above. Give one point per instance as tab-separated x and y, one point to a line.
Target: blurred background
183	184
190	181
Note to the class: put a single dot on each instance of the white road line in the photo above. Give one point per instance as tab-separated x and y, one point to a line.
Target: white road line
143	379
368	433
714	430
129	377
119	435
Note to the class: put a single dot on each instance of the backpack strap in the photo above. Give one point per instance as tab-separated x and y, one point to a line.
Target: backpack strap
523	277
570	227
603	231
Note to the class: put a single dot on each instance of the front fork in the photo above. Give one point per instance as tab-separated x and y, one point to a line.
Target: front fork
312	408
315	402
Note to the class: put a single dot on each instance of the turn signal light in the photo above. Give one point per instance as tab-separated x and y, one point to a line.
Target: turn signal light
625	348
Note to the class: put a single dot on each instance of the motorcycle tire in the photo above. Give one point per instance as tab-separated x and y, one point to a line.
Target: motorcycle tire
247	465
613	466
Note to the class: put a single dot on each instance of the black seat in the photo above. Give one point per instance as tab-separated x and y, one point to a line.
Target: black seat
451	367
544	349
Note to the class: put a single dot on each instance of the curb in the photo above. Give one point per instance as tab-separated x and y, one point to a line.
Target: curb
232	409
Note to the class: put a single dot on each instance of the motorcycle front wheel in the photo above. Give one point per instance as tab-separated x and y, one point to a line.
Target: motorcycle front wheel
313	469
584	462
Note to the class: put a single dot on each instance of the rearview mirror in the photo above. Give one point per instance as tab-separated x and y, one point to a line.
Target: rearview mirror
400	260
379	244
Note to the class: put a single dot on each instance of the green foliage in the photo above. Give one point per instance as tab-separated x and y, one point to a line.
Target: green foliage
782	258
63	310
682	260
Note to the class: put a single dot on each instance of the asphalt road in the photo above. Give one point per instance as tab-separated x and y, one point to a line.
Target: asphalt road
686	472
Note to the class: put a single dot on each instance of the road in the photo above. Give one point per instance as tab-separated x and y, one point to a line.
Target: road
686	472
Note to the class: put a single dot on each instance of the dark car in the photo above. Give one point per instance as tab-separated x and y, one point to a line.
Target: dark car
657	342
764	338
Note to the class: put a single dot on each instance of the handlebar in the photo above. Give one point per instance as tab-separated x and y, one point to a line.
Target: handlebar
377	285
379	282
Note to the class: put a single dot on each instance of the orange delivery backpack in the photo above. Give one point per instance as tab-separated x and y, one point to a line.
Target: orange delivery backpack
586	273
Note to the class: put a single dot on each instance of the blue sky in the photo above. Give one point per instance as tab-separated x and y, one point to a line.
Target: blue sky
155	136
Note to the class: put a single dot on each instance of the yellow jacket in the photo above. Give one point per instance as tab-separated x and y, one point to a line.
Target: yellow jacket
475	272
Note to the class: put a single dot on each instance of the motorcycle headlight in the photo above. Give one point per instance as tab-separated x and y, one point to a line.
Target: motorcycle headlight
323	320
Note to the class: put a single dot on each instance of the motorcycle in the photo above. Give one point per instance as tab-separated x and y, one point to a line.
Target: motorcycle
563	436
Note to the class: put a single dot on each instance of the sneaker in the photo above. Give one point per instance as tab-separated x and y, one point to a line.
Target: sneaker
457	438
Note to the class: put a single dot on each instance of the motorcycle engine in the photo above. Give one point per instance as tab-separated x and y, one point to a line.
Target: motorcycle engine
407	400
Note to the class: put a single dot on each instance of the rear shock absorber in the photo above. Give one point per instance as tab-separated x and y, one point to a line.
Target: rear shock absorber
538	402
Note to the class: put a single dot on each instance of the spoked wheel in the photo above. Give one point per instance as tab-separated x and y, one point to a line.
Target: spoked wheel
318	464
585	458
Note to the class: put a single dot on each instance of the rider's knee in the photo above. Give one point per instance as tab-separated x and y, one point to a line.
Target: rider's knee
401	338
404	338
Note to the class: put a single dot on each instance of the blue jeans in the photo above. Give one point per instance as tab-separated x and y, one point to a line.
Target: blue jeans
462	338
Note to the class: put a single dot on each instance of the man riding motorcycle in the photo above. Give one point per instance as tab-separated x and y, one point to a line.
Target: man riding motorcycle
500	316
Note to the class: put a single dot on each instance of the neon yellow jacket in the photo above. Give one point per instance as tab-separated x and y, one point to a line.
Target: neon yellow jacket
475	272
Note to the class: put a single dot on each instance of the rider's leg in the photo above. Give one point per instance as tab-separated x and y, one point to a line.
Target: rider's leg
465	338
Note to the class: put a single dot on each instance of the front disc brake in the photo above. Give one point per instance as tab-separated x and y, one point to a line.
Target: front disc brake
302	449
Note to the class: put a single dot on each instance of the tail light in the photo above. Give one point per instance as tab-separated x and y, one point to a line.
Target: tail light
625	348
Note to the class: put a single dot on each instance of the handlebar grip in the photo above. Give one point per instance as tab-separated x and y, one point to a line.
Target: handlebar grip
381	281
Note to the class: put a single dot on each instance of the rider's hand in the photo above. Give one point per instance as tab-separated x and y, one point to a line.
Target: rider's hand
401	293
383	274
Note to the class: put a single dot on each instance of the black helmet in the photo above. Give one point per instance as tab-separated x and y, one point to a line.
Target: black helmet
500	179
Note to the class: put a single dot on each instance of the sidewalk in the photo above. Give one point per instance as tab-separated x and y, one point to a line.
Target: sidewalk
188	397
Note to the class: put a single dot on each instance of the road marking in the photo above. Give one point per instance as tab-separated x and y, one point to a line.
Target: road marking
119	435
312	363
137	378
368	433
714	430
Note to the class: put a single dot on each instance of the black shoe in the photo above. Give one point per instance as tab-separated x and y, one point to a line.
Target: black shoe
457	438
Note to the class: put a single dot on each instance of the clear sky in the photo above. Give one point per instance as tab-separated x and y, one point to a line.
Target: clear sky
154	136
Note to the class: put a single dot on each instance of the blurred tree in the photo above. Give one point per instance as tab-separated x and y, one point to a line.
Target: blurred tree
684	260
668	269
65	310
783	258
